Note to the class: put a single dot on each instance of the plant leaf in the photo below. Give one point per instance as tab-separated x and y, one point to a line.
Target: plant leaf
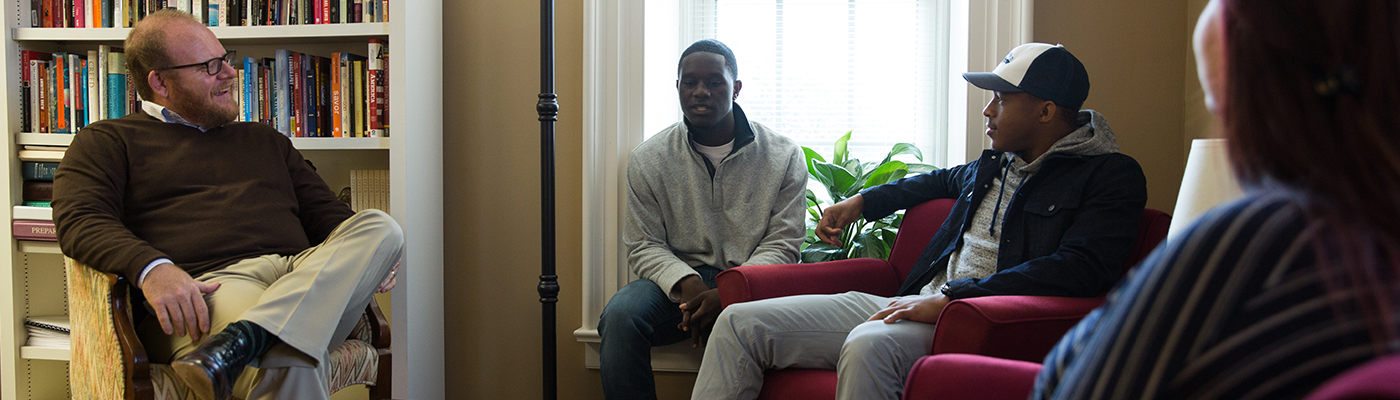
838	155
903	148
855	167
887	173
836	179
917	168
811	155
820	252
870	245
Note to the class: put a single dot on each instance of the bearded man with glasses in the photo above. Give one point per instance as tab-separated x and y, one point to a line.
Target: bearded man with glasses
222	225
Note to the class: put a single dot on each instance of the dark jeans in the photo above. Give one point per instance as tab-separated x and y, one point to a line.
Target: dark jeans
637	318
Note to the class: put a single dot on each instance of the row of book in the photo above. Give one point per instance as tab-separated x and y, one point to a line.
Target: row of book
369	189
125	13
61	92
302	95
37	167
305	95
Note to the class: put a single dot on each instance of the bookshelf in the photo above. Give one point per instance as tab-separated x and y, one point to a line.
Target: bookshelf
412	152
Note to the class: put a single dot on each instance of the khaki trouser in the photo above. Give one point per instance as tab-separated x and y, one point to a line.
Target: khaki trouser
310	301
871	358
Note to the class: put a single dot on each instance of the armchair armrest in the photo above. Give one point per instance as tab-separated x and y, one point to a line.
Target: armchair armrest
757	282
1012	327
108	360
968	376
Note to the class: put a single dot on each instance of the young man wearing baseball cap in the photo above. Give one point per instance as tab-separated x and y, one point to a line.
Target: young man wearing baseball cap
1052	209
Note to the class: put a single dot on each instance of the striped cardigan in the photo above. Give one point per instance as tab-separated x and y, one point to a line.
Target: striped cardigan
1235	308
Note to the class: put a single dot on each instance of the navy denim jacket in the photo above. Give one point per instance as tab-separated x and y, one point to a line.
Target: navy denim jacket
1066	233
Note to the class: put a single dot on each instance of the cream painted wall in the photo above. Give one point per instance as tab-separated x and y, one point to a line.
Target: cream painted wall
1135	51
1136	55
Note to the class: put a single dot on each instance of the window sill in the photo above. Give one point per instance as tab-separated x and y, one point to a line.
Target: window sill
679	357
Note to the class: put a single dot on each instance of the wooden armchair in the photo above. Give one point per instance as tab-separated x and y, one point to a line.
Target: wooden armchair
109	362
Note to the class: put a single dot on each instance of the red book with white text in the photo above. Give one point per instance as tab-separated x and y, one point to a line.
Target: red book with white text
25	229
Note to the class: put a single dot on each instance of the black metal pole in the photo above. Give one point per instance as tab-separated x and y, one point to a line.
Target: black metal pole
548	109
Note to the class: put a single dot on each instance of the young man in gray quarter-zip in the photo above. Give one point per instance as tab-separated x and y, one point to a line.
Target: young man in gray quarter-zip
708	193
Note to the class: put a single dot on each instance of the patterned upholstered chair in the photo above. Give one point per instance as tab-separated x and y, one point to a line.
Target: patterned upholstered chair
109	362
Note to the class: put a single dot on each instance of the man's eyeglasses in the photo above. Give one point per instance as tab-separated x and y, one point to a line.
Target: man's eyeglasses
212	67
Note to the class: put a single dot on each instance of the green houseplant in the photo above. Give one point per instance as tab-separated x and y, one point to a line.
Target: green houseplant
844	176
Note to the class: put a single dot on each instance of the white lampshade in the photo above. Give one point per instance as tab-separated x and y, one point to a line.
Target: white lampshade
1207	182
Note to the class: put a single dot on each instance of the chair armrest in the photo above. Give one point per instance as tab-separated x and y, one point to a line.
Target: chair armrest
378	325
106	353
1012	327
968	376
757	282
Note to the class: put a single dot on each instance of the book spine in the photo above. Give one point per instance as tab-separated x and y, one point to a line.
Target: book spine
35	230
41	92
311	95
75	91
265	91
82	14
37	170
61	111
375	85
343	71
323	90
116	86
297	116
279	93
104	52
94	88
336	107
37	191
247	88
359	72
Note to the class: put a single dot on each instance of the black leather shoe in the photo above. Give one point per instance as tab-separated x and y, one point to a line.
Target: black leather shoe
210	370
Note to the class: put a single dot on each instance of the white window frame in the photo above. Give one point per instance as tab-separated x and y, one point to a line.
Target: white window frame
613	93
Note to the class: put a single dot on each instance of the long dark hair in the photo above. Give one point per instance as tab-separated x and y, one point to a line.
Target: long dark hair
1312	105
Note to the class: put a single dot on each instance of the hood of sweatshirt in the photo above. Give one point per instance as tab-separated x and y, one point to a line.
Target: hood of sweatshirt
1092	138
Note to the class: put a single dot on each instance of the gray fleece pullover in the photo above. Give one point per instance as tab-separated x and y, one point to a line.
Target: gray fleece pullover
679	217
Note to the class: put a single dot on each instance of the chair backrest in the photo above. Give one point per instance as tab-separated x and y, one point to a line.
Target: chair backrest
1374	380
1152	230
921	222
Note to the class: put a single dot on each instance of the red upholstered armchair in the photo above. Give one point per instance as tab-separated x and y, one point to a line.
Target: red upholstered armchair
967	376
1018	327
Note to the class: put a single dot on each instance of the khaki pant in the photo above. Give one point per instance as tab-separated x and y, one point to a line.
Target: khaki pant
310	301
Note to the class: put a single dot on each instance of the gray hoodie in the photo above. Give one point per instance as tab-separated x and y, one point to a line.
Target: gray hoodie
977	258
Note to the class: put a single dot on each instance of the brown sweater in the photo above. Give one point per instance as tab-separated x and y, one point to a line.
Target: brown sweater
135	189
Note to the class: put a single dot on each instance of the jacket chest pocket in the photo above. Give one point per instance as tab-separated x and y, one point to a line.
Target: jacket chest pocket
1046	220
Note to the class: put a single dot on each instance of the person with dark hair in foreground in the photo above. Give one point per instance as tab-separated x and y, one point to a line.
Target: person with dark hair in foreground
222	225
714	191
1269	296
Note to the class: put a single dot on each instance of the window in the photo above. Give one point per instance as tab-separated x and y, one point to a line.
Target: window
815	69
630	54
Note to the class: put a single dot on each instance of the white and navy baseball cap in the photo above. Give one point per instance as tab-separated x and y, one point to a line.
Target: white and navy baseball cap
1046	71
